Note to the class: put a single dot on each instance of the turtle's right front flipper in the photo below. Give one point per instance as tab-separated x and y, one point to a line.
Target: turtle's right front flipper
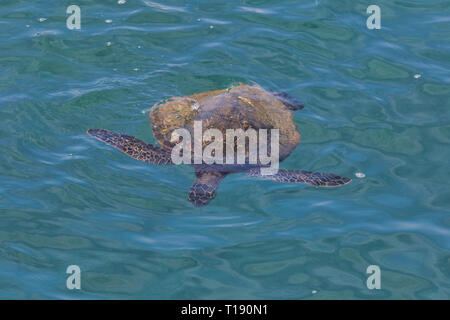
133	147
315	179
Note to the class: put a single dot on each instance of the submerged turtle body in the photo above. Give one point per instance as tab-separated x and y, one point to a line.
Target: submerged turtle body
241	107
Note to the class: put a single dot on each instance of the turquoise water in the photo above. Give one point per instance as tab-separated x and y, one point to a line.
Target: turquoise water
67	199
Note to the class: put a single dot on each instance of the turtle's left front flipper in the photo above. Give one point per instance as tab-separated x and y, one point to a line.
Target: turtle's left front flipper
316	179
133	147
204	188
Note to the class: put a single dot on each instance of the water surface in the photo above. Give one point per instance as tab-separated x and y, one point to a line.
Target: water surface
376	103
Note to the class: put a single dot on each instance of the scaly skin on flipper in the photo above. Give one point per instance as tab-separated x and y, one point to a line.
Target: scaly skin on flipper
316	179
133	147
204	188
290	102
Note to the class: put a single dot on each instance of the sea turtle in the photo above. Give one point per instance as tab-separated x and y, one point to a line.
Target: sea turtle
240	107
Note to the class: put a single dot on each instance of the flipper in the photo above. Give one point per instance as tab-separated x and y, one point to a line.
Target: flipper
133	147
204	188
316	179
290	102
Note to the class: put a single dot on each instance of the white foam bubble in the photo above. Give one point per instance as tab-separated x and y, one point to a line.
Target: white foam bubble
360	175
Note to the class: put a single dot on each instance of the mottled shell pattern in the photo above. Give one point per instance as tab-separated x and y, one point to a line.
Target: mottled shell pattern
241	107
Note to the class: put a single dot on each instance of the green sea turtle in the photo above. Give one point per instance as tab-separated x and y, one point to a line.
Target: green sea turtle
241	107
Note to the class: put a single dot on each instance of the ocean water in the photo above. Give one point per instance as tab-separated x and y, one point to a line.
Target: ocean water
377	103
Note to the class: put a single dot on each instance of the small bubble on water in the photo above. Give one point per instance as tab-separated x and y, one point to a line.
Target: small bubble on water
108	20
417	76
139	47
360	175
27	25
42	19
108	44
211	27
232	86
121	1
314	291
199	19
136	69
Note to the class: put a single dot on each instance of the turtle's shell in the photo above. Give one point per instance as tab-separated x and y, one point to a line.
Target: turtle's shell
241	107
